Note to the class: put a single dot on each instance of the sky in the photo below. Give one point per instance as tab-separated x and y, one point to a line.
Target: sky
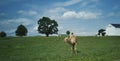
82	17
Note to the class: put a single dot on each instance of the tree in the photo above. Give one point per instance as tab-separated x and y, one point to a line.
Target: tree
47	26
21	30
101	32
3	34
68	32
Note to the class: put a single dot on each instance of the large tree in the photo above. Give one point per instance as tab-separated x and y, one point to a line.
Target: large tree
3	34
47	26
21	30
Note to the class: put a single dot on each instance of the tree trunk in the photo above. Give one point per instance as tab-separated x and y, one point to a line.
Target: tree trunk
47	35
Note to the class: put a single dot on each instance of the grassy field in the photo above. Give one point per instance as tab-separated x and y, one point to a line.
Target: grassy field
54	49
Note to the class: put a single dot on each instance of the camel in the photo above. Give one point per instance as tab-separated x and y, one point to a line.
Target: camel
72	42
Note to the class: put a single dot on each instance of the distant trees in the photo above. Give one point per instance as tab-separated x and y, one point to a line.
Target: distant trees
47	26
101	32
21	30
3	34
68	32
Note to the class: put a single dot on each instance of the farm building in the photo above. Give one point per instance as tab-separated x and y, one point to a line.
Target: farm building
113	30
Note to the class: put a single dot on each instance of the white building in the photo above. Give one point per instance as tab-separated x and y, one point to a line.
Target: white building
113	30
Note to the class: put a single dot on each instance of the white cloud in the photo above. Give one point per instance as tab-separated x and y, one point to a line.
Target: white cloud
111	14
88	4
33	30
85	3
24	21
21	12
29	13
116	7
54	13
61	13
3	15
87	15
57	10
32	12
67	3
60	27
35	27
80	15
69	14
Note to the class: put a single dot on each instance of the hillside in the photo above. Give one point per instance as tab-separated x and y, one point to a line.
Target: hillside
54	49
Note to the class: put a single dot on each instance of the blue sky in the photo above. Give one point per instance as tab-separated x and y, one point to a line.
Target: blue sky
83	17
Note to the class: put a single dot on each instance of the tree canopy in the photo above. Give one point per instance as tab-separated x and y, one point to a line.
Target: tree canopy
101	32
3	34
68	32
21	30
47	26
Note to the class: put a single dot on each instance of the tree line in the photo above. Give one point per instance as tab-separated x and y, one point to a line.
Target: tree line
46	26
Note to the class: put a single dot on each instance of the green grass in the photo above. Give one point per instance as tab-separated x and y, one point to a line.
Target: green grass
54	49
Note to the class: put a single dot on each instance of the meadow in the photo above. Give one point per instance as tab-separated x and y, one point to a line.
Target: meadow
39	48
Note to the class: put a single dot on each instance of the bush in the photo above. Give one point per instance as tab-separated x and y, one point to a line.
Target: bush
3	34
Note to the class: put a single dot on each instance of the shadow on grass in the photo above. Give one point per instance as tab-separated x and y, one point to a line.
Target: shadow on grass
76	53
